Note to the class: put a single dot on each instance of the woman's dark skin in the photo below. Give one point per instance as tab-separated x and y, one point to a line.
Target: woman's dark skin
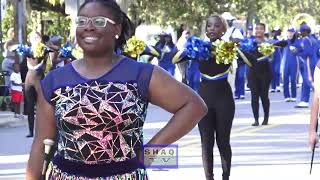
259	79
217	94
98	46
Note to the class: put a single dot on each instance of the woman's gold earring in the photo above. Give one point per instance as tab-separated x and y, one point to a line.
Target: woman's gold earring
116	36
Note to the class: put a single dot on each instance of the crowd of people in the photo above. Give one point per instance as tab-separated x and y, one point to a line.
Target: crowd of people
102	104
294	58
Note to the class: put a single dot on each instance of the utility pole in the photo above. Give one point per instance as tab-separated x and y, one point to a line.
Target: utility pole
20	24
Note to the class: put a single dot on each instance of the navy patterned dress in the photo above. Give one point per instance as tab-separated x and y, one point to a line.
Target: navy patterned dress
99	121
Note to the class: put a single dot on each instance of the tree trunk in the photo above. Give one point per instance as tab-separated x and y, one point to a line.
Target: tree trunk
16	19
16	24
251	14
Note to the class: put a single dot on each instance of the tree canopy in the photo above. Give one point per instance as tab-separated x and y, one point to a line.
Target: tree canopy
193	12
48	5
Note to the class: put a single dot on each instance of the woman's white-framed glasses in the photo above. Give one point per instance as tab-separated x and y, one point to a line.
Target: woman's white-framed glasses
98	21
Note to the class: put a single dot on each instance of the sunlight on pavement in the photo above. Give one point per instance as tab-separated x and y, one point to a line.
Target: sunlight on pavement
12	159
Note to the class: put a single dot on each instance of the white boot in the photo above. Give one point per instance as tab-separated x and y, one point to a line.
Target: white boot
302	105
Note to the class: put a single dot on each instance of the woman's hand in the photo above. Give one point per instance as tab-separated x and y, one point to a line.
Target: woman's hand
313	139
32	61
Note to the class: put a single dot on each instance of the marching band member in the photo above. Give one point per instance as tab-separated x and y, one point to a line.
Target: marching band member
307	62
290	71
167	49
276	62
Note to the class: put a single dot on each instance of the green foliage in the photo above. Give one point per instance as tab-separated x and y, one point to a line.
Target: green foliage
56	24
7	21
1	59
55	2
1	77
273	15
193	12
176	12
53	23
282	12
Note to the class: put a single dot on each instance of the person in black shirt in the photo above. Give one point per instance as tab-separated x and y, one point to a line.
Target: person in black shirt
259	79
216	92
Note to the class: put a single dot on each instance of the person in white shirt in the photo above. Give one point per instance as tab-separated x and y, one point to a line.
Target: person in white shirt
232	33
235	35
16	90
183	66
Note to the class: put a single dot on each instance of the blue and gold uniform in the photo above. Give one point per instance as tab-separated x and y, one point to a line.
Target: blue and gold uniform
307	62
290	69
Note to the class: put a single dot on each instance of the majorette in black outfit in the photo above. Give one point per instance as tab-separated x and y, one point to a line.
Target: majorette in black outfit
215	89
216	92
260	74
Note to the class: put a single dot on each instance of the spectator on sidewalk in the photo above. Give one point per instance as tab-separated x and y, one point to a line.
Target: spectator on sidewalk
233	34
9	59
184	66
16	90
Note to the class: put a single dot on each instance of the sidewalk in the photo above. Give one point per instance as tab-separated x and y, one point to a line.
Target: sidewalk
7	120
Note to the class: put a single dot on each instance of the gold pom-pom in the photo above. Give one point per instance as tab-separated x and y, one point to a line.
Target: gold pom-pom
134	47
39	50
225	52
77	52
266	49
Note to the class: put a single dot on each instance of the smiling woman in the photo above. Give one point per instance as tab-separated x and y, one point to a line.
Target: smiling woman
95	107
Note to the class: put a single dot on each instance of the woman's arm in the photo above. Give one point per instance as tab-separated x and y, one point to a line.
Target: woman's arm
313	137
185	104
45	129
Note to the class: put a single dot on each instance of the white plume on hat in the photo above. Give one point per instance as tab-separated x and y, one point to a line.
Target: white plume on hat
227	16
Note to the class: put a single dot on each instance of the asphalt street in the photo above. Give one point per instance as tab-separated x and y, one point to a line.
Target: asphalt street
276	151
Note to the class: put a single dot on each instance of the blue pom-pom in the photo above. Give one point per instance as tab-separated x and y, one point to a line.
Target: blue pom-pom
198	48
66	51
248	44
24	50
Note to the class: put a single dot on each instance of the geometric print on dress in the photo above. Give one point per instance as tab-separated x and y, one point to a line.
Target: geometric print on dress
100	122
